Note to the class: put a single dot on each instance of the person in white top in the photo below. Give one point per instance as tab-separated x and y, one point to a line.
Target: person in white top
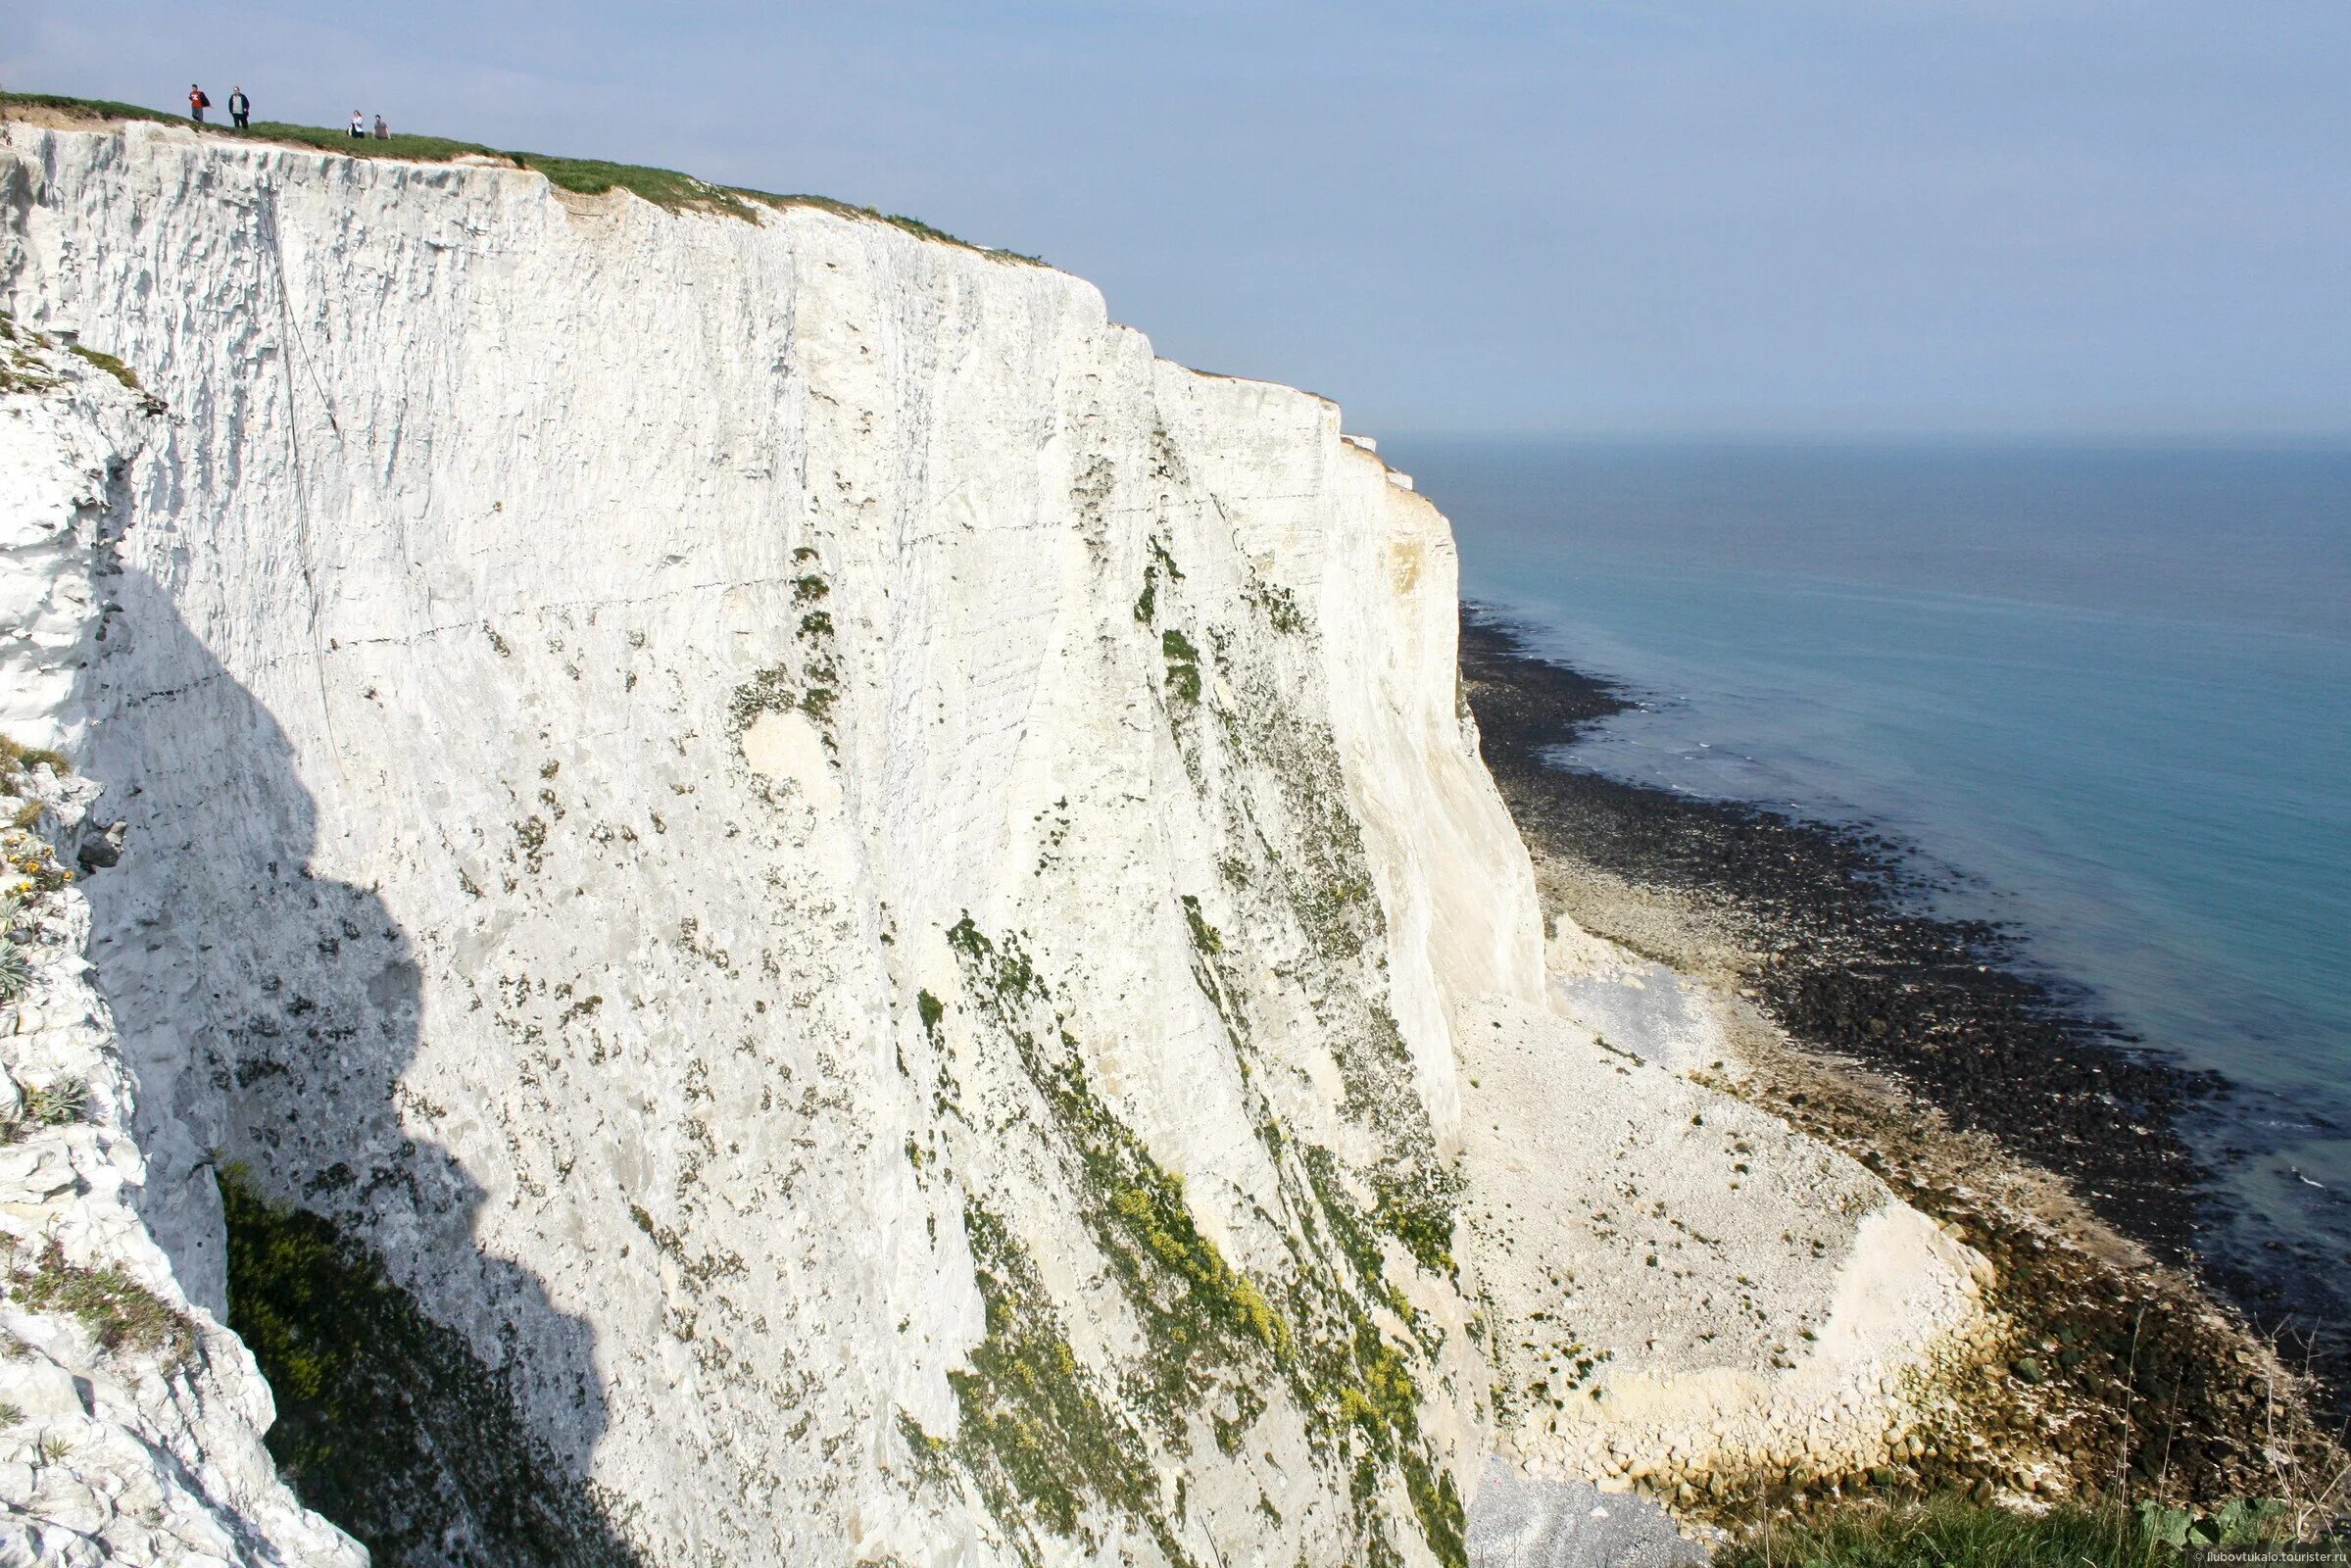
359	126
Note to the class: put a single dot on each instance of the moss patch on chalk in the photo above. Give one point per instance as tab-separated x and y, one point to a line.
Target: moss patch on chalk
1213	1335
1040	1443
109	363
1182	666
1198	1312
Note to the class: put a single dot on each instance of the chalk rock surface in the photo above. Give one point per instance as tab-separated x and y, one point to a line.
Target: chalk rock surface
838	910
130	1421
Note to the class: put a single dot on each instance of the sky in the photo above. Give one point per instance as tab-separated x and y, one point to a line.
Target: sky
1797	217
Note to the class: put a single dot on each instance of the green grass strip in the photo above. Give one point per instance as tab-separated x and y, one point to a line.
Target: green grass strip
666	188
1954	1533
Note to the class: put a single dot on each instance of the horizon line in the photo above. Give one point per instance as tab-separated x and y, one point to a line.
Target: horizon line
2306	440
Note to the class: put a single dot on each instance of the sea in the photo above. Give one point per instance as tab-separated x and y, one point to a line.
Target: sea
2105	689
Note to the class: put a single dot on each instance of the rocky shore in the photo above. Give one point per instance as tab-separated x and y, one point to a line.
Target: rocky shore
1982	1093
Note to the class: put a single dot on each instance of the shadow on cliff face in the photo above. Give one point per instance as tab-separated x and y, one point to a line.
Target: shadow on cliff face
431	1401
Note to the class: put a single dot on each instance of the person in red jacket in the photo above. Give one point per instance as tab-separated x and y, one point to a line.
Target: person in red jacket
197	102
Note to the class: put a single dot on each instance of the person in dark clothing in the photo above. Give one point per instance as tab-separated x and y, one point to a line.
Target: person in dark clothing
384	132
240	107
197	102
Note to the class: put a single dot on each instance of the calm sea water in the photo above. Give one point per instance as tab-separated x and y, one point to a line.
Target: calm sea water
2109	688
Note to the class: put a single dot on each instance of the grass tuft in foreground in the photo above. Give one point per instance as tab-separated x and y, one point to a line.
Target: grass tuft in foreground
119	1312
1969	1535
16	758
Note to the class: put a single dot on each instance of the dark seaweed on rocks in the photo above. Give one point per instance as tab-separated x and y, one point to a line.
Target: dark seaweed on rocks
1850	963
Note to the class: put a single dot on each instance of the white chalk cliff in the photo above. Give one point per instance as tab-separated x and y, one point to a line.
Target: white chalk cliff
862	895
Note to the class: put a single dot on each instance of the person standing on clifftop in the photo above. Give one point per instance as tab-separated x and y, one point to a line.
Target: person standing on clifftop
384	132
359	126
240	107
197	102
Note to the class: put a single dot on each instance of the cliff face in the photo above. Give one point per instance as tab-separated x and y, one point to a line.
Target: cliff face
761	896
855	887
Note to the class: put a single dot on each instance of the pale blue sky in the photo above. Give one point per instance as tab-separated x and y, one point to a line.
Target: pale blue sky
1809	215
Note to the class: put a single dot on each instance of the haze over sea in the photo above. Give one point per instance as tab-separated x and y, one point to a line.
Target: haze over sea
2108	687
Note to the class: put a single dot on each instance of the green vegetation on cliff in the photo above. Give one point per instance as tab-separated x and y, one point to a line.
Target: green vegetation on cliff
387	1422
1212	1335
1952	1530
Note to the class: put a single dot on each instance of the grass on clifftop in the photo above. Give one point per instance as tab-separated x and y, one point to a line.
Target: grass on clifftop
666	188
